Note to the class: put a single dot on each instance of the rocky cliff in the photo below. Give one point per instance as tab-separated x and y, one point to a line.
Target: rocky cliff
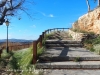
89	22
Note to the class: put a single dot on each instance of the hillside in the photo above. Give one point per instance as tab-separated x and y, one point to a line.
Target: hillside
15	40
89	22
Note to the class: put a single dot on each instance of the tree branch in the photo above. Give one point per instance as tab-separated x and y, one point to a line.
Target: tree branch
10	7
3	3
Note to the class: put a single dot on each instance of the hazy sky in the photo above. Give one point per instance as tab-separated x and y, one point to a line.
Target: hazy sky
47	14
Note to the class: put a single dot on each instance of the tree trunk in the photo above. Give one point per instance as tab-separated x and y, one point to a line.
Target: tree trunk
88	5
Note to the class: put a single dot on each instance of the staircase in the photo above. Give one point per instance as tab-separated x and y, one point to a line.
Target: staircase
62	43
67	54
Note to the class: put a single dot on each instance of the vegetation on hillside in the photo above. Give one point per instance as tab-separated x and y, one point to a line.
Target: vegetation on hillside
93	44
91	40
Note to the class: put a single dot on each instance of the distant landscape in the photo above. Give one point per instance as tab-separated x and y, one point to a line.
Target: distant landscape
16	40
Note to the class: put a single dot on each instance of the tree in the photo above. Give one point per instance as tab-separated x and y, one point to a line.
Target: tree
10	8
87	1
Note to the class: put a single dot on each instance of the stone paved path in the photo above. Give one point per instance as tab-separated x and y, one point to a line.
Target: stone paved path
72	72
71	52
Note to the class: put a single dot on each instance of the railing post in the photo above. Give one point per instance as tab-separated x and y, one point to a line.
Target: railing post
48	31
34	52
43	35
45	32
40	41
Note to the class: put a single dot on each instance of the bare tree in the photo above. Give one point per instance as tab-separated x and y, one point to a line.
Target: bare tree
87	1
10	8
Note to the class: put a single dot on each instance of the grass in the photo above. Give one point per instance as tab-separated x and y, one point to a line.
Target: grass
48	36
93	44
5	54
97	48
90	44
77	59
82	31
21	60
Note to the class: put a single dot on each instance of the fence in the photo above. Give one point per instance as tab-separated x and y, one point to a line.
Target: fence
19	47
15	47
40	40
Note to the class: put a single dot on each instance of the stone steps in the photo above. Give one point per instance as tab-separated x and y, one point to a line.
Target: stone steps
67	58
67	54
62	43
70	65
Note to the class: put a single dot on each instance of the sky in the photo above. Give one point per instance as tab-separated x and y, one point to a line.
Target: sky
46	14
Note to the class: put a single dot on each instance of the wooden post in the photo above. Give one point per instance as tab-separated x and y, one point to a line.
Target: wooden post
45	32
48	31
40	41
34	52
43	35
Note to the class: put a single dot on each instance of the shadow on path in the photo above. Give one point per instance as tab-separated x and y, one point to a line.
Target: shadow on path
64	51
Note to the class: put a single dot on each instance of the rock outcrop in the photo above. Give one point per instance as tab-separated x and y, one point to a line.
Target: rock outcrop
75	35
89	22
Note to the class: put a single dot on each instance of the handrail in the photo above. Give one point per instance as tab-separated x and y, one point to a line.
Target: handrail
40	40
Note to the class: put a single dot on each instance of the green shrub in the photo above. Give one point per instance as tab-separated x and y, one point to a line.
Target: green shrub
5	55
96	40
89	47
88	41
92	49
13	63
97	48
40	51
